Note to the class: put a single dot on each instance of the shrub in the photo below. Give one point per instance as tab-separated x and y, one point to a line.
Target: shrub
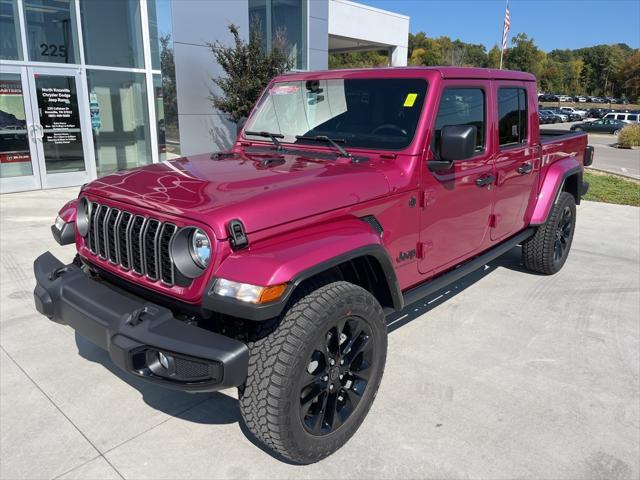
630	136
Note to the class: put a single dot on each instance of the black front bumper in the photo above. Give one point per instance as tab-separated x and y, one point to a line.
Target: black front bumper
142	338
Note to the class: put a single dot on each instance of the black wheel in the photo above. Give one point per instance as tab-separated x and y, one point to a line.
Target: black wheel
547	251
312	380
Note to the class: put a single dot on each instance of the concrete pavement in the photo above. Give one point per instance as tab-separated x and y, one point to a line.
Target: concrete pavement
607	157
505	374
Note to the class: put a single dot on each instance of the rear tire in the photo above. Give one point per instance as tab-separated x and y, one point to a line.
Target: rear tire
548	249
312	380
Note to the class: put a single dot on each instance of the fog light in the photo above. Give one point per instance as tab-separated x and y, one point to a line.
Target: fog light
164	361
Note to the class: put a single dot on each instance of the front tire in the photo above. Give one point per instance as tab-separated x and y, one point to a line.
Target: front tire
547	250
312	380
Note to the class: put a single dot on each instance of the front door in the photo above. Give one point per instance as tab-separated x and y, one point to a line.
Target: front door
61	126
455	219
43	129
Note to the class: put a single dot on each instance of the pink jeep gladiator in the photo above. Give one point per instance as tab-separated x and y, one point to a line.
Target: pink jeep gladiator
271	267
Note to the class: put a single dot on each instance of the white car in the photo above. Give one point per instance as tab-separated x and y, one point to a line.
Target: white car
575	111
564	98
625	117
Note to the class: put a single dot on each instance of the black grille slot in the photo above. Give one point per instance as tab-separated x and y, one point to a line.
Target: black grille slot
132	241
110	234
135	240
121	234
91	236
166	265
151	232
100	233
373	221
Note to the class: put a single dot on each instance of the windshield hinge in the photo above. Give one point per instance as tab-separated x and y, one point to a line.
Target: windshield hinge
237	236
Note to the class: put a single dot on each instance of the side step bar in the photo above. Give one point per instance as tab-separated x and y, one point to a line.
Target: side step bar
418	293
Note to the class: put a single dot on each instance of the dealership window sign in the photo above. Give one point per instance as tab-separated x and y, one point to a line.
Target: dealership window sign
13	126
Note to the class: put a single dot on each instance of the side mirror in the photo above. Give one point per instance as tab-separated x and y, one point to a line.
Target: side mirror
457	142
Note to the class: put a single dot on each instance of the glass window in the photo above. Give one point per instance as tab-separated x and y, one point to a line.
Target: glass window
282	23
366	113
512	115
160	28
620	117
632	118
167	117
15	157
51	31
112	33
119	120
10	43
462	106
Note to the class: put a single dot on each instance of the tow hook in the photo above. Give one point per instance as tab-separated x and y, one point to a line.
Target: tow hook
136	317
58	272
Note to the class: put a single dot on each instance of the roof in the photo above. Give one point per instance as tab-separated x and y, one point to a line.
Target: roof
445	72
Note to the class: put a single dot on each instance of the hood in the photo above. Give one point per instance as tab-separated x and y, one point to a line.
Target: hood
262	190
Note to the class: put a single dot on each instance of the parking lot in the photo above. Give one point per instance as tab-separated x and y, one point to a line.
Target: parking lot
607	157
505	374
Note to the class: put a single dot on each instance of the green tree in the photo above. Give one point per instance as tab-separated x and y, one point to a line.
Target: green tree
358	60
524	55
493	57
248	68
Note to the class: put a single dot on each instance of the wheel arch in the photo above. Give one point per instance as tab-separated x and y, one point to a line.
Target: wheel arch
563	175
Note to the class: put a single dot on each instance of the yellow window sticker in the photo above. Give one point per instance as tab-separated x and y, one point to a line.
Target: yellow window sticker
410	100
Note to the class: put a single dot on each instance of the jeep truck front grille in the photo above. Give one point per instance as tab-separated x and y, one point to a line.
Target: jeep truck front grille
134	242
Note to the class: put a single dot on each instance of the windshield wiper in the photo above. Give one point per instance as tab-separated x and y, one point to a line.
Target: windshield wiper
332	141
271	136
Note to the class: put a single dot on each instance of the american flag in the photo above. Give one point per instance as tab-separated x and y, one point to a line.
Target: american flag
505	32
505	29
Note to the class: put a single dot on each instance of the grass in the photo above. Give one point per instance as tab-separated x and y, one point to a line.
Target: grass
612	189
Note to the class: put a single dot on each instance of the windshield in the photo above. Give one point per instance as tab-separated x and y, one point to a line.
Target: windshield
365	113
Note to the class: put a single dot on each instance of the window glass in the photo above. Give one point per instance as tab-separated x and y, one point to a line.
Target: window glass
367	113
160	29
620	117
281	23
512	115
164	93
10	43
51	31
112	33
119	120
632	118
15	156
462	106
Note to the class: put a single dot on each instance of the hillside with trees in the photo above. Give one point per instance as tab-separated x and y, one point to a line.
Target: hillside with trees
612	70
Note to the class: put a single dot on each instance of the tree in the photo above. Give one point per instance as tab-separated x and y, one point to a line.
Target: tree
358	60
248	69
169	96
524	55
493	57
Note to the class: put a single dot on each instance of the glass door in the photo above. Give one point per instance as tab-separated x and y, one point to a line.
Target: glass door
19	168
60	114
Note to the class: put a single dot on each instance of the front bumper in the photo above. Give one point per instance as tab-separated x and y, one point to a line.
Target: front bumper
142	338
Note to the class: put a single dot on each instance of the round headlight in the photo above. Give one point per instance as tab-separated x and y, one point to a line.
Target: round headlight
200	248
83	216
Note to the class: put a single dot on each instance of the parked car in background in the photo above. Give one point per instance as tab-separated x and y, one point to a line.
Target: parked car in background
548	117
575	112
580	99
597	112
604	125
560	117
548	97
623	117
564	117
565	98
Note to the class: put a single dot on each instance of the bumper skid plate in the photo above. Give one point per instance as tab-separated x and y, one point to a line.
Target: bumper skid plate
142	338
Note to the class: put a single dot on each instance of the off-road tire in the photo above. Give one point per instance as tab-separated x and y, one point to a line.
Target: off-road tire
271	397
538	252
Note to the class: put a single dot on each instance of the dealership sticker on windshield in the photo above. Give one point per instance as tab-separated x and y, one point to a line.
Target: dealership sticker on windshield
284	90
410	100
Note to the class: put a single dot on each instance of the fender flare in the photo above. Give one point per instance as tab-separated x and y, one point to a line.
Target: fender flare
551	186
296	257
68	211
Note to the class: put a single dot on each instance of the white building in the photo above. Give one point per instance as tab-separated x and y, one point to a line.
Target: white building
84	91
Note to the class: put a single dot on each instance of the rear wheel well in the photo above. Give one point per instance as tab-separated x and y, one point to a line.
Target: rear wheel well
572	185
364	271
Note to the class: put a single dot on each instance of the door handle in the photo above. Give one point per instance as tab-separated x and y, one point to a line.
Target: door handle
486	180
524	168
40	130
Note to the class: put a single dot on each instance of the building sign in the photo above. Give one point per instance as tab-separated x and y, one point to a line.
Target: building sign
58	108
14	141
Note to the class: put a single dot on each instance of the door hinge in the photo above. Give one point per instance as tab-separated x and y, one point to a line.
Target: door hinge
423	198
422	248
493	220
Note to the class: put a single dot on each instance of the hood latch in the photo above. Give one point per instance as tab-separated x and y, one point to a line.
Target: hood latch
237	235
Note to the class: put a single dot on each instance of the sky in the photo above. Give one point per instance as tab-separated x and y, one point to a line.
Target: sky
552	23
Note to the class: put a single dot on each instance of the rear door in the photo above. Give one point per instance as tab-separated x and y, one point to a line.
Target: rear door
455	215
517	158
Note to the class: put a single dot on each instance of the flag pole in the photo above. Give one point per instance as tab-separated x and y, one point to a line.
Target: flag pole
505	32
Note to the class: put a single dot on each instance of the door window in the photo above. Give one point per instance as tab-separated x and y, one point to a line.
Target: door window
462	106
621	117
512	116
9	31
15	156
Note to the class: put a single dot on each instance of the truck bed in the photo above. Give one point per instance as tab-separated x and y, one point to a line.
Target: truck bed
551	135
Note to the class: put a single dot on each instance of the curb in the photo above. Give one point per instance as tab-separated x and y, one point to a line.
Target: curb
615	174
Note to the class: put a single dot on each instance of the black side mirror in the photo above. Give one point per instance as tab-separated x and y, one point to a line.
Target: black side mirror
457	142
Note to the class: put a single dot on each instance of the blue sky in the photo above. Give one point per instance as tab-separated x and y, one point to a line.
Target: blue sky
552	23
